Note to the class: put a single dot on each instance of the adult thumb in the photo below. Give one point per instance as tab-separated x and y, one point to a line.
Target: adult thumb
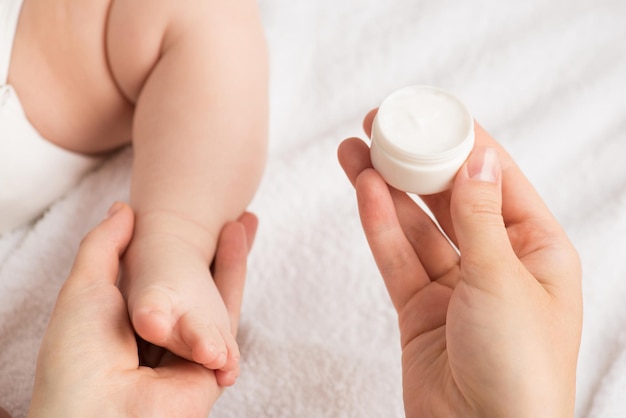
476	211
97	260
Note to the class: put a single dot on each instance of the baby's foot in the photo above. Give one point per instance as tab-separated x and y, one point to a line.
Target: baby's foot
183	312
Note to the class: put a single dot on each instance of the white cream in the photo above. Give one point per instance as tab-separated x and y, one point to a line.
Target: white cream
423	120
420	137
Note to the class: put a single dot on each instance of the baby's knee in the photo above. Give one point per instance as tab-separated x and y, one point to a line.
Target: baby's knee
134	38
141	32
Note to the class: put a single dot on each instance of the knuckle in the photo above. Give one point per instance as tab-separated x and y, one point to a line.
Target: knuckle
391	265
481	205
485	207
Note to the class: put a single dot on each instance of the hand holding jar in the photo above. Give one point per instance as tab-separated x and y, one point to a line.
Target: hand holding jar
490	314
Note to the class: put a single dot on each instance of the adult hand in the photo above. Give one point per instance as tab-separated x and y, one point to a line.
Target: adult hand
490	330
88	363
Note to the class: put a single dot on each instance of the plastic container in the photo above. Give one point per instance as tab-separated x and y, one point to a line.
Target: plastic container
421	136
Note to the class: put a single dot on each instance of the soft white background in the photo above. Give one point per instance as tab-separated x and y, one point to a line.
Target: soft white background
546	77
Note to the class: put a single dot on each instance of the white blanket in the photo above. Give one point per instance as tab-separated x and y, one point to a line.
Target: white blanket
318	334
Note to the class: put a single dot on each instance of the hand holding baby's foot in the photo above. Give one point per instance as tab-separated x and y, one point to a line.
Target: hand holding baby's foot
173	303
188	318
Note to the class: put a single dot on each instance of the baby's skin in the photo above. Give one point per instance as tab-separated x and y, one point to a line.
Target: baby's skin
186	83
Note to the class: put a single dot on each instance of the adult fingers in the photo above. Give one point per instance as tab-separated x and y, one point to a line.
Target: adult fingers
526	216
354	157
520	201
90	319
230	264
438	204
4	414
436	254
394	254
476	211
97	260
184	388
368	121
250	224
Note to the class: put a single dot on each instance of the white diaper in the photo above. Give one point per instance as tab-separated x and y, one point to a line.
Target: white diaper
33	171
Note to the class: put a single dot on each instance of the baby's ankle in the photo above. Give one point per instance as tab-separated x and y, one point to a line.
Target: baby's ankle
168	227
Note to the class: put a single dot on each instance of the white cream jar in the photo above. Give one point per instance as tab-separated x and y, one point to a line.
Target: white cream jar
421	136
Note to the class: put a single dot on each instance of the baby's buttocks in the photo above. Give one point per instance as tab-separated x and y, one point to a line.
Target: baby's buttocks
60	71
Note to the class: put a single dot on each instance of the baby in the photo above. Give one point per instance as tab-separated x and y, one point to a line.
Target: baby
186	83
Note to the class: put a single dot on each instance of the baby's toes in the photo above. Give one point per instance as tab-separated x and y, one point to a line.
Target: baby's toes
226	378
227	375
205	342
151	316
232	360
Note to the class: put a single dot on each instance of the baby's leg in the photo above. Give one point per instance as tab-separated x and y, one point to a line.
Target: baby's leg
197	71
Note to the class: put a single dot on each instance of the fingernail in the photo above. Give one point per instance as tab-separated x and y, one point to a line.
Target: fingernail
483	165
114	209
